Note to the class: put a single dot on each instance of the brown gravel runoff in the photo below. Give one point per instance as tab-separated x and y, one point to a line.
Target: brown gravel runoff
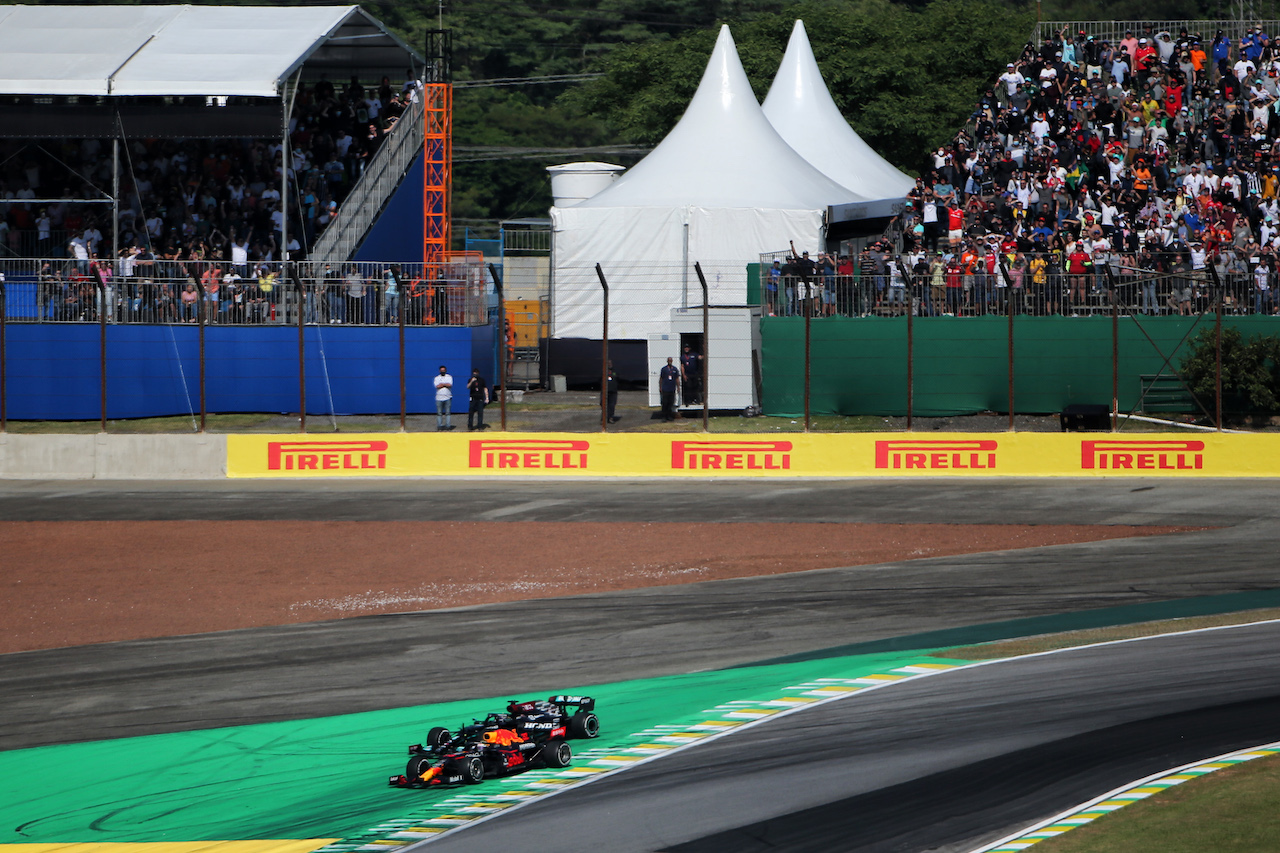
77	582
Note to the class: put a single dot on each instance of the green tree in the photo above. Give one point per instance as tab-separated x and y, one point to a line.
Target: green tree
1250	372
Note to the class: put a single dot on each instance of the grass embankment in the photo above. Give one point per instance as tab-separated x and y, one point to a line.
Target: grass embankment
1235	810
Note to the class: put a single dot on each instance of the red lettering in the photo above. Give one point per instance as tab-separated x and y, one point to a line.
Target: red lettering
1199	461
937	460
346	461
382	460
991	460
1122	460
733	460
288	463
897	460
768	463
1164	462
711	460
1146	460
751	462
531	460
551	461
330	460
582	460
307	461
916	460
786	460
508	460
956	463
975	462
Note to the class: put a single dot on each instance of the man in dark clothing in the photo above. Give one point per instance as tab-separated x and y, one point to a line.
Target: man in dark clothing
691	374
668	381
479	393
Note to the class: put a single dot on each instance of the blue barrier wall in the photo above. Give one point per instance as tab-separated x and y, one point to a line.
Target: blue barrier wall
52	370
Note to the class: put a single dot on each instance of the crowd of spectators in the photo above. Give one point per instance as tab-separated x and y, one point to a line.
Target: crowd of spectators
197	199
1154	159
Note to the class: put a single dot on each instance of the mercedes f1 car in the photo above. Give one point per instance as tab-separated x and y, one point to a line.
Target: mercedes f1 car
528	734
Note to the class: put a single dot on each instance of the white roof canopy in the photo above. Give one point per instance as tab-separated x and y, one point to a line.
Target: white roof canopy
801	109
187	50
723	153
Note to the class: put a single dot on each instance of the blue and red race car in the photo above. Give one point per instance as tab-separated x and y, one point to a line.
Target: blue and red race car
528	734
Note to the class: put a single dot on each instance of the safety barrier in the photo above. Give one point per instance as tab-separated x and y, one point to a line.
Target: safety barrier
639	455
797	455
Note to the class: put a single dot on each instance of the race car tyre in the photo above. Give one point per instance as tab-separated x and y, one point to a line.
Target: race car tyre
418	765
438	737
472	770
584	724
557	754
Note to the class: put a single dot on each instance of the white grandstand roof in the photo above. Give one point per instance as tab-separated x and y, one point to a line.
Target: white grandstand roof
188	50
800	107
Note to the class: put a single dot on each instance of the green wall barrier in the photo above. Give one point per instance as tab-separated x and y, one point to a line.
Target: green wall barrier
859	365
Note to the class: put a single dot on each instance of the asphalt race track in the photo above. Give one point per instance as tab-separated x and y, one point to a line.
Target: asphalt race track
1066	722
942	763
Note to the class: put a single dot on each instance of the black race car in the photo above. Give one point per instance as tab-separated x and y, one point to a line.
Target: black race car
528	734
574	713
488	747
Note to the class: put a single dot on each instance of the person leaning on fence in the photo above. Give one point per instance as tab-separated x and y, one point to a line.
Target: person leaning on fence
444	399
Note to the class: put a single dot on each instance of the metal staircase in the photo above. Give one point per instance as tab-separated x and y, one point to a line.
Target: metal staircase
379	181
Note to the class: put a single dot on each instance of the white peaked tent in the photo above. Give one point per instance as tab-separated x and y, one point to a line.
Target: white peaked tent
721	188
800	108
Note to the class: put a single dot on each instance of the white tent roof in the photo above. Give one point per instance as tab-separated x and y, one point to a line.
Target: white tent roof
723	153
185	50
801	109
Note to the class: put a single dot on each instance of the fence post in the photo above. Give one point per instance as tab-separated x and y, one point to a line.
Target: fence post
200	332
4	313
102	345
1008	304
502	345
302	353
400	309
911	364
1115	347
604	356
1217	346
808	316
706	345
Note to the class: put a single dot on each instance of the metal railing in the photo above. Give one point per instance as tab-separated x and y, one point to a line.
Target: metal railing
379	181
1163	284
162	291
1113	31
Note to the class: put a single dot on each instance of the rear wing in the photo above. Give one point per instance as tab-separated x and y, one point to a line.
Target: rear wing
583	703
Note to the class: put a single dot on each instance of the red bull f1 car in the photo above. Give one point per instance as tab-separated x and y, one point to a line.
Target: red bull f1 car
528	734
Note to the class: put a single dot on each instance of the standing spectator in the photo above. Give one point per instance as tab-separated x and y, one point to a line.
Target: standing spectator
444	399
355	294
479	398
391	292
691	376
668	381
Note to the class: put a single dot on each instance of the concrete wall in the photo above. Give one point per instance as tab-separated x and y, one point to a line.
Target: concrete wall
113	457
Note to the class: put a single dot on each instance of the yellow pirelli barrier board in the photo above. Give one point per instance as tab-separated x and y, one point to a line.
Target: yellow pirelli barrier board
790	455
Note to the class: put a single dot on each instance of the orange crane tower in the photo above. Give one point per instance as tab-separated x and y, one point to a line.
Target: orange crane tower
437	148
